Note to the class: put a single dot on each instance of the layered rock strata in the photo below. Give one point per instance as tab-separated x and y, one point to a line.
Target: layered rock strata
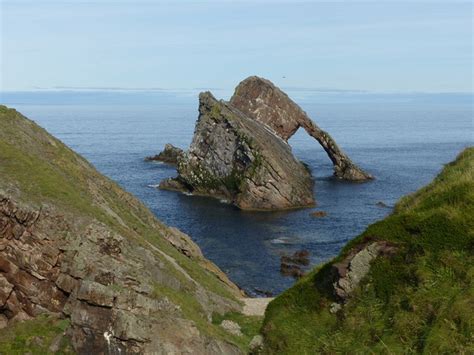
74	245
240	151
236	158
262	101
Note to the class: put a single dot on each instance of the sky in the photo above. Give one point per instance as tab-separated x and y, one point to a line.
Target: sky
401	46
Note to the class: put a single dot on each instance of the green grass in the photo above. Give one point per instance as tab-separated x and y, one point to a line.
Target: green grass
249	326
37	169
35	337
418	301
192	310
47	171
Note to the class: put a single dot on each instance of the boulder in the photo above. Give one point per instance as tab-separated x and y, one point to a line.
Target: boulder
256	344
169	155
262	101
232	327
236	158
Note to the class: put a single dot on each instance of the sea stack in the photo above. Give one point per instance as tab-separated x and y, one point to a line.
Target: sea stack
236	158
240	151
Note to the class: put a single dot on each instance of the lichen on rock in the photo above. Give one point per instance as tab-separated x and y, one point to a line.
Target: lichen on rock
236	158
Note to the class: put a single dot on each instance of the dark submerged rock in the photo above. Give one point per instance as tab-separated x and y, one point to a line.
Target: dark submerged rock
319	214
300	257
287	269
263	292
291	265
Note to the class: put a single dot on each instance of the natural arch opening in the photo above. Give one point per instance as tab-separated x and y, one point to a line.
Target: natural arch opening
262	101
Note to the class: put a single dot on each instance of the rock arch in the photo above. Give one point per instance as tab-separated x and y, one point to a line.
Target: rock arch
262	101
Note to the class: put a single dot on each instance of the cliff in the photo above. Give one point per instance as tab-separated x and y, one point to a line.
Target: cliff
405	285
236	158
85	267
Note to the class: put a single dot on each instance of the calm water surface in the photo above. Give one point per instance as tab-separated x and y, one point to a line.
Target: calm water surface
403	140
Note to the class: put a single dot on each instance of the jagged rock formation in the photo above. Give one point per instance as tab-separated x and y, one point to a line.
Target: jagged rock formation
237	158
76	246
169	155
240	152
259	99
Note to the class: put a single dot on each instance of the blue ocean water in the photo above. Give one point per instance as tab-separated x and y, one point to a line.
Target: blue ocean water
402	139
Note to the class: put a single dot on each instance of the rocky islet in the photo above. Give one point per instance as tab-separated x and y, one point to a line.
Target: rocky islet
240	151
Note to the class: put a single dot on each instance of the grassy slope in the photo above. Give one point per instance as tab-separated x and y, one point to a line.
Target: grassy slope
36	169
39	336
419	301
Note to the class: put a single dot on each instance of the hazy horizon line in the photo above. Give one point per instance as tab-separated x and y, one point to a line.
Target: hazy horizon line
162	89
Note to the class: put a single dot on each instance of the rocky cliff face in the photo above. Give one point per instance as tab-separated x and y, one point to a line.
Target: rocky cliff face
238	159
74	245
262	101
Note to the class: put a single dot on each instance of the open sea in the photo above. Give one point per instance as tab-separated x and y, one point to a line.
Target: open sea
402	139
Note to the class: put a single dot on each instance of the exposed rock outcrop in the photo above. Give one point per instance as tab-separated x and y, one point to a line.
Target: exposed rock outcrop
169	155
240	152
232	327
105	283
350	271
241	160
259	99
74	245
